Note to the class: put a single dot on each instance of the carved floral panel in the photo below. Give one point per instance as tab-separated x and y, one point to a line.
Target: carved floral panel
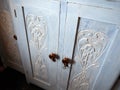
37	30
91	45
94	39
40	69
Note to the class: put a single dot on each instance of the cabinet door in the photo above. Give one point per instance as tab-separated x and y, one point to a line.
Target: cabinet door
42	27
8	37
91	40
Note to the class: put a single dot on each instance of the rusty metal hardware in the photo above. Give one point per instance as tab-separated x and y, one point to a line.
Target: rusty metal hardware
53	57
67	61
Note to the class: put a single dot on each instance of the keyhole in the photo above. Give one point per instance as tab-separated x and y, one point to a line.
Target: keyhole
15	37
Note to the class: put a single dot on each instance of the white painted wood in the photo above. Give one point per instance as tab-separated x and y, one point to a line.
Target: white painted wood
88	70
62	76
22	38
50	27
42	24
98	3
110	66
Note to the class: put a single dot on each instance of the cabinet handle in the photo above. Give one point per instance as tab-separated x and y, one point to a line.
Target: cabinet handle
67	61
53	57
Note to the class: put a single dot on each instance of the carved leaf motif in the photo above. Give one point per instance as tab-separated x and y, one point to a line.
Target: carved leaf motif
40	69
37	27
80	82
91	45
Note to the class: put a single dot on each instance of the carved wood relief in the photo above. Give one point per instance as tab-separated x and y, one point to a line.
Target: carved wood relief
40	68
90	45
37	29
7	37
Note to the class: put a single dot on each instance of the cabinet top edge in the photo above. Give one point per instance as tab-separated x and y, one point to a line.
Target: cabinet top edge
99	3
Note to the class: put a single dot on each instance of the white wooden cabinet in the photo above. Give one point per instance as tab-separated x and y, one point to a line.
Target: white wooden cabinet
68	44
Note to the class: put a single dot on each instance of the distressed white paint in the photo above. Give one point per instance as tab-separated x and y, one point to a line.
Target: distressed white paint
42	29
42	22
111	4
40	69
37	26
91	45
91	79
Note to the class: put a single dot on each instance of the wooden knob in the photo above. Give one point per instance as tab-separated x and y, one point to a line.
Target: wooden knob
53	57
67	61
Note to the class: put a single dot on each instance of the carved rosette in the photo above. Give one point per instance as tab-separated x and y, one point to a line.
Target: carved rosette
7	34
37	27
91	45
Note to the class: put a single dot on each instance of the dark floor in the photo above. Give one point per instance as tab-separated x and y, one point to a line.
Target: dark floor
116	85
12	80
